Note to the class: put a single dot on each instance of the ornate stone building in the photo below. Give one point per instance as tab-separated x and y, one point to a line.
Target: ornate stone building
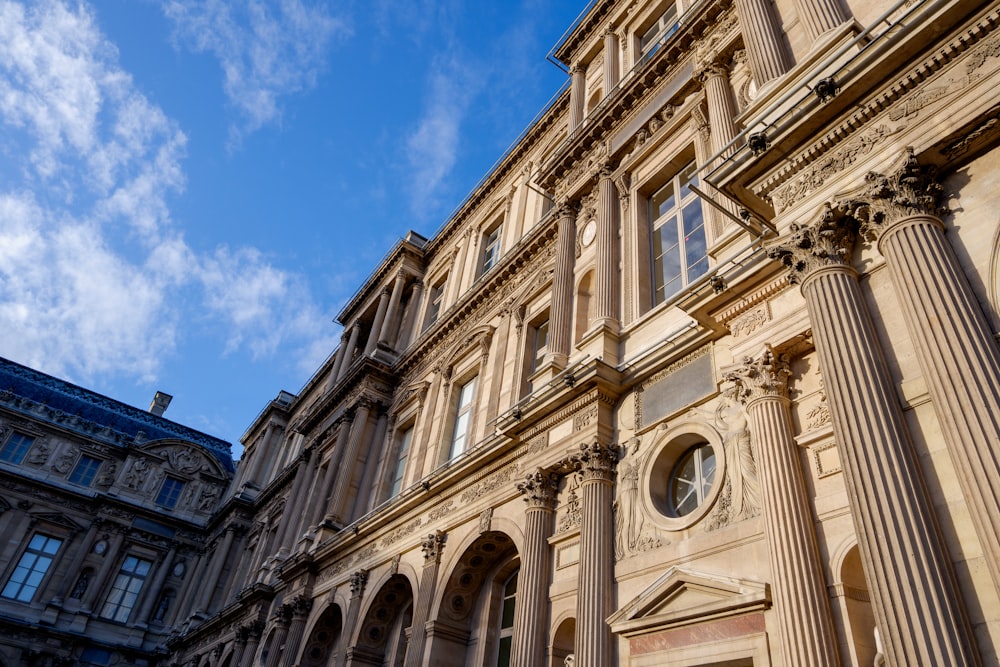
105	511
704	372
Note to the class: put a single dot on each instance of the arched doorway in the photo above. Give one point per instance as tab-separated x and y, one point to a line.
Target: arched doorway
320	648
382	639
562	642
475	615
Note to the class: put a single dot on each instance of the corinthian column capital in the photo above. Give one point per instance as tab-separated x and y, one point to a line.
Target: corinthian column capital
824	243
913	190
763	377
432	546
358	581
596	461
540	489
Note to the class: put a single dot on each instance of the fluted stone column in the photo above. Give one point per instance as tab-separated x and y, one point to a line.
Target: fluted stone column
300	607
914	593
240	645
292	513
607	273
593	641
388	326
432	547
101	580
577	89
320	504
800	599
254	631
561	315
152	592
611	61
373	335
342	352
531	614
352	345
714	76
819	17
211	579
283	619
408	327
358	581
337	511
956	350
763	40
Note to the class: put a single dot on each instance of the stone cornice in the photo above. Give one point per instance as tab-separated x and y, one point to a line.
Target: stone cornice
393	262
594	21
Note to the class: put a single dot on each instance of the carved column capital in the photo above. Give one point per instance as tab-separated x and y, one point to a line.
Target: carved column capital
711	67
595	462
913	190
301	605
540	489
358	581
824	243
433	545
763	377
566	209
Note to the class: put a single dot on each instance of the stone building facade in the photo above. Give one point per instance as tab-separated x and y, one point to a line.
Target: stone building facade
105	514
704	372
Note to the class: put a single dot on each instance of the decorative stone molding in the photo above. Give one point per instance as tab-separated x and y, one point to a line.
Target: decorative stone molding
595	461
765	376
486	520
358	580
540	489
827	242
433	544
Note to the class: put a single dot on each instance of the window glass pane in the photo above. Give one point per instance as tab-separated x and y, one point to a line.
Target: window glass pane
404	453
31	568
688	176
125	590
170	492
663	201
691	479
85	470
16	447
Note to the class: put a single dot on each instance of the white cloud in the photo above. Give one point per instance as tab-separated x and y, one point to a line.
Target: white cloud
432	148
266	50
95	276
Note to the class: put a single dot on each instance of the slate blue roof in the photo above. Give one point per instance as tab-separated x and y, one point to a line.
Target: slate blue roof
48	399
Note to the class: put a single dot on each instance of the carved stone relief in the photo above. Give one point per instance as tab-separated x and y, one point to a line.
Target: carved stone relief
632	535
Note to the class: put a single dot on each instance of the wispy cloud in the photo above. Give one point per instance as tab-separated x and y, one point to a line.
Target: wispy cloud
95	276
432	147
266	50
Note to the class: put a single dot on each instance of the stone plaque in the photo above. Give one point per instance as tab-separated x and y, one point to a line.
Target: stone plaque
677	389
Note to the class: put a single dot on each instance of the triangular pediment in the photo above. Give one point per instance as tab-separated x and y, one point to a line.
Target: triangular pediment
57	520
682	597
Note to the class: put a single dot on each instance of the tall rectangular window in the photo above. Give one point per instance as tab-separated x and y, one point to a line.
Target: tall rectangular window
170	492
491	249
401	457
655	35
31	569
16	447
125	590
85	470
541	346
436	299
463	418
679	245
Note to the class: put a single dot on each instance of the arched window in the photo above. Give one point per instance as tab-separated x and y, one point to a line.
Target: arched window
506	637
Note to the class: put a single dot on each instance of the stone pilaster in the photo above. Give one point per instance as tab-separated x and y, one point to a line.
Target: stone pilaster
358	581
957	353
607	273
408	326
337	511
337	361
765	48
561	314
240	645
389	328
68	575
152	591
577	90
913	589
593	641
380	311
531	614
300	608
819	17
611	60
800	599
101	580
432	547
291	515
282	619
352	346
254	631
211	579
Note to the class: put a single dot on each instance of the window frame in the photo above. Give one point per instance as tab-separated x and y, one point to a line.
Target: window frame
403	445
16	453
460	410
648	40
489	254
701	483
127	579
674	219
435	302
505	631
34	553
92	470
164	495
655	472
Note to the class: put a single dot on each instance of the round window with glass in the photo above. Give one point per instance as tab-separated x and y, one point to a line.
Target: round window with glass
691	480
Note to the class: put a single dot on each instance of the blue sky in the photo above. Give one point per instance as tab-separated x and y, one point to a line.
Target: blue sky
191	190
